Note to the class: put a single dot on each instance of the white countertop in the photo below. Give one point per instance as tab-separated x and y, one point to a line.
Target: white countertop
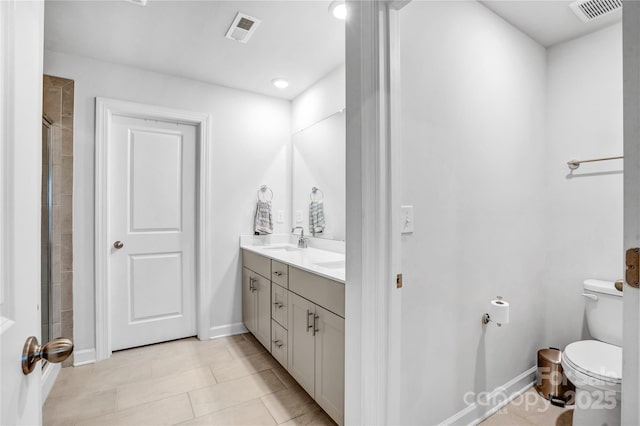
326	263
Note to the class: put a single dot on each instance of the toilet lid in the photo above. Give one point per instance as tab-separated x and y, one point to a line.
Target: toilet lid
596	359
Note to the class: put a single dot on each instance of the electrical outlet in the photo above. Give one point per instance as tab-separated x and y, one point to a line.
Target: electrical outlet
298	216
406	216
280	216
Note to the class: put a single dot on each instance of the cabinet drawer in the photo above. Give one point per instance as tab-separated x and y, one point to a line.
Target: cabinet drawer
279	343
280	273
279	302
257	263
321	291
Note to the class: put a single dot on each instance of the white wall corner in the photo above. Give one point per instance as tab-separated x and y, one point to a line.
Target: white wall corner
227	330
499	397
84	357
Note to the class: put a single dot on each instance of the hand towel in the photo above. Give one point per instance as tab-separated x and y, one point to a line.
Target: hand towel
316	217
263	220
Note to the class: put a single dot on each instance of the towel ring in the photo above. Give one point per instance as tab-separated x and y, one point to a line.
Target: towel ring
314	191
263	190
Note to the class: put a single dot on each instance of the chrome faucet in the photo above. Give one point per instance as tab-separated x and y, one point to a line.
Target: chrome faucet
302	241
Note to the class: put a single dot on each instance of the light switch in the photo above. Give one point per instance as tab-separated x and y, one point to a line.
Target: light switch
280	216
406	217
298	216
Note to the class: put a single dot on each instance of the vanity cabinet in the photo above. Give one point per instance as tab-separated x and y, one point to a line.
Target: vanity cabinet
299	317
316	350
280	305
302	353
256	305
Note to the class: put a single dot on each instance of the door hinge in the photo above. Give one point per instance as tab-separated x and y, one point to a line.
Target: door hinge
399	281
633	267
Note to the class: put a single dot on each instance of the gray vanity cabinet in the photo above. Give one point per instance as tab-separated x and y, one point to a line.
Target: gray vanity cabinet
256	305
316	342
299	317
329	365
301	357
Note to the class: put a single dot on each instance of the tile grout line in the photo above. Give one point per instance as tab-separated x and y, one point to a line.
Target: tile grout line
192	409
268	411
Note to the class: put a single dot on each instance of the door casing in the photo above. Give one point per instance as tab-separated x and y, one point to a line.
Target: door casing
105	109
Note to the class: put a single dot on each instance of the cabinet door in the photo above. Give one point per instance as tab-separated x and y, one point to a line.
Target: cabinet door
279	304
329	383
300	359
263	311
248	300
279	343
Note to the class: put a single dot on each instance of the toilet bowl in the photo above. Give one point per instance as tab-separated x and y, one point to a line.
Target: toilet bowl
595	366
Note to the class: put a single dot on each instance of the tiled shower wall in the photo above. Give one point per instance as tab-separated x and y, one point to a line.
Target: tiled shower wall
57	105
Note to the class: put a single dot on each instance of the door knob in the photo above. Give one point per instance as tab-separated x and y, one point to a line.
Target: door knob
118	244
55	351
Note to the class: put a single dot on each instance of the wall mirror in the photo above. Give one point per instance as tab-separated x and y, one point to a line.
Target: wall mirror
319	155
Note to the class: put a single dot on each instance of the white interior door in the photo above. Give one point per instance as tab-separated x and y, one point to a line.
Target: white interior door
21	34
152	189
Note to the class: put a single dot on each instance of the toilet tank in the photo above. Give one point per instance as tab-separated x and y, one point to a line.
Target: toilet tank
603	308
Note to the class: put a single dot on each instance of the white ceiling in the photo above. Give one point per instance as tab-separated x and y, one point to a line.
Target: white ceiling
547	21
298	40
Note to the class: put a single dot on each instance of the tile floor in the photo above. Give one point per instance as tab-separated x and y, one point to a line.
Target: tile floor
227	381
530	409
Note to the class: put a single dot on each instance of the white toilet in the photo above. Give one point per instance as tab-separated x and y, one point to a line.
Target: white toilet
595	366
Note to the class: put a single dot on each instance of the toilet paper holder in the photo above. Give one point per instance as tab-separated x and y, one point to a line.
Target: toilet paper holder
486	317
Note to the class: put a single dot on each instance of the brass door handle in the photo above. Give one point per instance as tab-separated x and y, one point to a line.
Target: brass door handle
118	244
55	351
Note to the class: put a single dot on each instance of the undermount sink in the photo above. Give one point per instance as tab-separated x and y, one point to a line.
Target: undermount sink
336	264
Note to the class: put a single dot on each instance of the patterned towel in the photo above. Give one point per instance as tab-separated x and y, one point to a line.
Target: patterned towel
316	217
263	220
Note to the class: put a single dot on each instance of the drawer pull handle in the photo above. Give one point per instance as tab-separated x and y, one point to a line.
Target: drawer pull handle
278	273
252	288
278	343
315	327
309	326
279	305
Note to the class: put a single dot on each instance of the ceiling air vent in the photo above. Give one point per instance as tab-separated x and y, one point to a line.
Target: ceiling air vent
588	10
242	28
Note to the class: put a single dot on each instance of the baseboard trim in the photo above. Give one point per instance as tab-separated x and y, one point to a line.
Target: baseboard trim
49	376
84	356
227	330
498	398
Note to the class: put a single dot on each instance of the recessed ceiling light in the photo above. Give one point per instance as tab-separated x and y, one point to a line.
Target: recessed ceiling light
280	83
338	9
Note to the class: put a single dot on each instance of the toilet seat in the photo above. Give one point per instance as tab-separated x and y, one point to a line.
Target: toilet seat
598	360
